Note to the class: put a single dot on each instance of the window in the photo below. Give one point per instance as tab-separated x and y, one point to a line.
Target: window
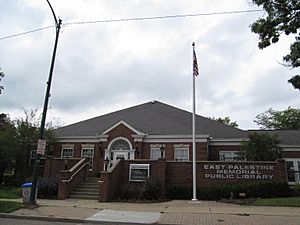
155	153
88	153
293	170
229	156
120	144
181	154
67	152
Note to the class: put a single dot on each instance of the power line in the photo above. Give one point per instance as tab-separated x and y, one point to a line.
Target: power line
162	17
135	19
26	32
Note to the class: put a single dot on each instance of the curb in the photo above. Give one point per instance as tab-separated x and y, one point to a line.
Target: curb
44	218
57	219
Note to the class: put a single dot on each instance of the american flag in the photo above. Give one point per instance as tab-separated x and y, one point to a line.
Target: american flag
195	64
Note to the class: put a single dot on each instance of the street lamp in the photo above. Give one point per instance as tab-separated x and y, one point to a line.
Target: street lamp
106	161
32	200
162	150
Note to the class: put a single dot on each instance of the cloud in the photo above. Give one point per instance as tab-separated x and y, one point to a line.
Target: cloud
104	67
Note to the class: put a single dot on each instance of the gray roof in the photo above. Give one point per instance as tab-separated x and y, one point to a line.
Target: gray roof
153	118
287	137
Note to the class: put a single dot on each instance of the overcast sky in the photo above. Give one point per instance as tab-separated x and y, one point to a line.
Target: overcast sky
103	67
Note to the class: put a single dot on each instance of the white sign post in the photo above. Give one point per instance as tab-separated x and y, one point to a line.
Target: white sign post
41	147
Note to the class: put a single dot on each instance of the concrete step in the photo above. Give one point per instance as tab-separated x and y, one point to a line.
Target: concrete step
84	197
83	188
89	189
85	193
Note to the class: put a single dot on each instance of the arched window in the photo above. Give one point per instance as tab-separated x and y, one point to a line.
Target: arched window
120	144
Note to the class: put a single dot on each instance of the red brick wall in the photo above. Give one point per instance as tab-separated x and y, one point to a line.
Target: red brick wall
172	173
121	131
291	154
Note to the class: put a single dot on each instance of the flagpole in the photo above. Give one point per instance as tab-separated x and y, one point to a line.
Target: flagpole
194	129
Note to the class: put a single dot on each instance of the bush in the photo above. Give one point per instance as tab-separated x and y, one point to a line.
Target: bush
11	180
149	190
132	191
48	187
252	190
179	192
296	190
152	190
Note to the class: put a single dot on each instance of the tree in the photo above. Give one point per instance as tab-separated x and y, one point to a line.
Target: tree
8	140
28	133
261	147
17	140
288	119
1	76
282	17
226	120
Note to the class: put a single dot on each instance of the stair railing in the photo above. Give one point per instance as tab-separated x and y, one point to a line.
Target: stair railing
72	177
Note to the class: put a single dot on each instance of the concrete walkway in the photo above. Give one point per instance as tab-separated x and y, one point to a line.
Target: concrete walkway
172	212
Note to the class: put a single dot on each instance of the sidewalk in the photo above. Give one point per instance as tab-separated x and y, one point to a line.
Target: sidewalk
172	212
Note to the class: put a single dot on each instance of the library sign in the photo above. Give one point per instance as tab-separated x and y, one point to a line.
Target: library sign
239	171
139	172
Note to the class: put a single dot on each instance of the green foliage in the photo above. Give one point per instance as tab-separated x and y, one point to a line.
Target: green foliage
152	189
252	190
132	191
226	120
288	119
282	17
17	140
8	207
10	192
8	140
261	147
179	192
282	202
149	190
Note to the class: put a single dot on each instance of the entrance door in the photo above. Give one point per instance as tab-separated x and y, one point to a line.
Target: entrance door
293	170
120	155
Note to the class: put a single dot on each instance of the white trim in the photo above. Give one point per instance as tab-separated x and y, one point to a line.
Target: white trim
78	139
125	124
174	138
290	148
181	146
138	137
68	146
227	141
147	166
88	146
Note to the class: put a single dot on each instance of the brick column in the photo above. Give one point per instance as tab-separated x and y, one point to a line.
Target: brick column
281	169
104	186
62	190
162	174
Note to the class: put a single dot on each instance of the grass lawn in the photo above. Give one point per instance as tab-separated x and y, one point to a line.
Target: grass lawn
7	207
289	202
10	192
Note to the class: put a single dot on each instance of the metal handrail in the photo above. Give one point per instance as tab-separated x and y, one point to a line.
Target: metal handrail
73	168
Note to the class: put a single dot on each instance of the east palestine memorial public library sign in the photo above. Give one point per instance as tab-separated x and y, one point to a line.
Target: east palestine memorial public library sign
231	171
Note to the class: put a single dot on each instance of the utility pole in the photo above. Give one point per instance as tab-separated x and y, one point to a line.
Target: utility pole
32	200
